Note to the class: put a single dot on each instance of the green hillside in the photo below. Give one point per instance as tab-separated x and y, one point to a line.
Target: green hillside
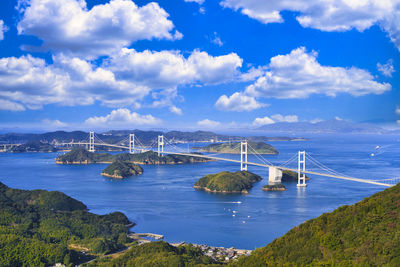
122	169
228	182
234	148
41	228
82	156
364	234
33	147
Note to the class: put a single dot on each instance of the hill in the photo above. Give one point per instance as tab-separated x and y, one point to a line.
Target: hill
82	156
364	234
228	182
33	147
42	228
234	148
122	169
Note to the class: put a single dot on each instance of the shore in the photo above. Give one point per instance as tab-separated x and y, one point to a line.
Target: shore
222	192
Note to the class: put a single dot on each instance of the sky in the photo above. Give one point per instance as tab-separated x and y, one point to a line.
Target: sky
197	64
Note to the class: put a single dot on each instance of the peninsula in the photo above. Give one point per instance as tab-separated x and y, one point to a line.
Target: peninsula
228	182
82	156
234	148
122	169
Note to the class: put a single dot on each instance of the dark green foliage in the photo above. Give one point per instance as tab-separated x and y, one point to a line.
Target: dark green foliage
158	254
364	234
228	182
122	169
33	147
39	228
234	148
290	176
81	155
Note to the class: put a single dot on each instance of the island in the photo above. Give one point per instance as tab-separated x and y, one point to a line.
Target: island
122	169
291	176
228	182
274	187
234	148
82	156
33	147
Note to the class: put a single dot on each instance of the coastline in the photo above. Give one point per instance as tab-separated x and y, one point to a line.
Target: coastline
222	192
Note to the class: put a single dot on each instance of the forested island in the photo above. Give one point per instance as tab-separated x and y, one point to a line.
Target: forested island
274	187
33	147
122	169
228	182
234	148
82	156
291	176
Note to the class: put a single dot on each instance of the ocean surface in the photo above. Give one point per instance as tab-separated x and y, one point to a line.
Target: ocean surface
163	200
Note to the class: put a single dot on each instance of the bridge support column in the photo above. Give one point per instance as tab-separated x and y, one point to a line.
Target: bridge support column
243	156
160	144
91	142
131	143
301	176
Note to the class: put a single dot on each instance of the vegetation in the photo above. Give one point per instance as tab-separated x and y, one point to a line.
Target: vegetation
364	234
291	176
82	156
234	148
228	182
158	254
274	187
41	228
33	147
122	169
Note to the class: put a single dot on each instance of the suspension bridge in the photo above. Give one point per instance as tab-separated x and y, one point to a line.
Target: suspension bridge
275	171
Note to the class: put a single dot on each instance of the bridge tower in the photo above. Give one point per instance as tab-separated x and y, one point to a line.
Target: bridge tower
301	176
160	144
243	155
131	143
91	142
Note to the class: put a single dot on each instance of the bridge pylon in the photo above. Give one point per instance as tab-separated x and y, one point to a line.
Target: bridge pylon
243	156
131	143
160	144
301	176
91	142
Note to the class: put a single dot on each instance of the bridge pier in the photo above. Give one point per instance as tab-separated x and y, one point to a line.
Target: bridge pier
160	144
301	176
131	143
243	155
91	142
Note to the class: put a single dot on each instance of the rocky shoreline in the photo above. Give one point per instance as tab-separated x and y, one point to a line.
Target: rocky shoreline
221	192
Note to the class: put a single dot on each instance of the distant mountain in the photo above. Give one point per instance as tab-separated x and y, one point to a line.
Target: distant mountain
329	126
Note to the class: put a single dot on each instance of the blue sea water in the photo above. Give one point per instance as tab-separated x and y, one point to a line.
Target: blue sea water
163	200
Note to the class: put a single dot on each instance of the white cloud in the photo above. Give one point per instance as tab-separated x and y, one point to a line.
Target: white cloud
287	118
398	121
200	2
338	118
9	105
397	110
176	110
68	26
275	118
123	117
208	123
341	15
238	102
386	69
3	29
299	75
120	81
316	120
217	40
263	121
54	123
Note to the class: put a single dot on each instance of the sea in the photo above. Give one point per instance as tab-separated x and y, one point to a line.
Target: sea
163	200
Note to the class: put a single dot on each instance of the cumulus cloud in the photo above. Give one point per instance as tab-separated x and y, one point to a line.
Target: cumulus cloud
175	109
9	105
68	26
238	102
299	75
208	123
275	118
119	81
217	40
54	123
397	110
386	69
123	117
342	15
200	2
3	29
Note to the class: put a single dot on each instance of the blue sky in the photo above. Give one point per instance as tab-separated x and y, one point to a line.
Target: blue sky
197	64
